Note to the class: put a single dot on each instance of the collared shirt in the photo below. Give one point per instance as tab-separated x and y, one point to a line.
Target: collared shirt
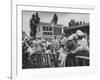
62	57
30	50
72	36
81	45
56	43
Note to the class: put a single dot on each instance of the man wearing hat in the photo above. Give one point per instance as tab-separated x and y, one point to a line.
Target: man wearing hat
77	48
82	43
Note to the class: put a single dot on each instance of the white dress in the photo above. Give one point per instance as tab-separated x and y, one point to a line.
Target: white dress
56	44
62	57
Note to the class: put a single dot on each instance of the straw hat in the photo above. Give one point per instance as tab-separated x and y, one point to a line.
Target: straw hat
79	33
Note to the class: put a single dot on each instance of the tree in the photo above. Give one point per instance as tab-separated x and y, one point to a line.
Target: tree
83	22
37	19
55	19
77	23
80	22
33	24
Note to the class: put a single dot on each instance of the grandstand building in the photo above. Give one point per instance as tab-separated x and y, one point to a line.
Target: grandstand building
48	30
83	27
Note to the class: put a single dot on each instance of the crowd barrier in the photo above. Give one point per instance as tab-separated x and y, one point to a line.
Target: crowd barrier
42	61
51	60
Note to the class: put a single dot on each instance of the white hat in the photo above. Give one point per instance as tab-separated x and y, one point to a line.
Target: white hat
26	38
39	36
70	37
63	34
79	33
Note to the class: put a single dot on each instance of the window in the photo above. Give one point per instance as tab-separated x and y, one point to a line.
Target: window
44	28
47	28
57	30
47	33
50	28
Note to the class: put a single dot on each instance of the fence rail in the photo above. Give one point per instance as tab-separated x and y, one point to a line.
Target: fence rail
42	61
51	60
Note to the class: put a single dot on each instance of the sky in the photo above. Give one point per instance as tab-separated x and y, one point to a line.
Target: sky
63	18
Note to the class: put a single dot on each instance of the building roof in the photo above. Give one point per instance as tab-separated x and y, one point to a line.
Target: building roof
44	23
82	25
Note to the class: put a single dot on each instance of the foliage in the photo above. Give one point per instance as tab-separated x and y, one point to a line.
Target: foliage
35	20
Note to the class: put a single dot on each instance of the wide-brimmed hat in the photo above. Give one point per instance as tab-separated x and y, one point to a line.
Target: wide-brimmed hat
79	33
39	37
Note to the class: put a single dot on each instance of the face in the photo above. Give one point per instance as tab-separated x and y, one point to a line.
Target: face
80	37
39	38
54	37
62	35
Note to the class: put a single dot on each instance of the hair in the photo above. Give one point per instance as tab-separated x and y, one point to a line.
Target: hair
71	44
80	37
62	46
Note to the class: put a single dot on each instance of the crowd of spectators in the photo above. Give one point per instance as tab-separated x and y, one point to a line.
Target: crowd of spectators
62	47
